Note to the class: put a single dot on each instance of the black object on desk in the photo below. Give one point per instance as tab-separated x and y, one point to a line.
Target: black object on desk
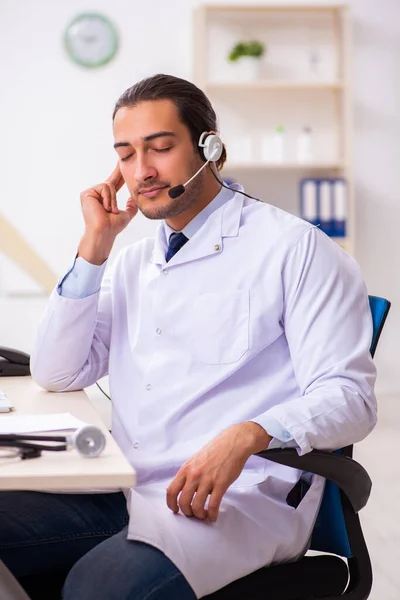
13	362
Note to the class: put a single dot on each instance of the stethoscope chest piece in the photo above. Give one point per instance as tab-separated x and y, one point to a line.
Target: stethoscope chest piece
89	441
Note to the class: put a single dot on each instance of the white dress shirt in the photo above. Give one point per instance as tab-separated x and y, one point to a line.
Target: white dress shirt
261	317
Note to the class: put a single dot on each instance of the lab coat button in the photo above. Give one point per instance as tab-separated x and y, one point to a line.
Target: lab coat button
217	247
166	271
136	445
159	331
148	387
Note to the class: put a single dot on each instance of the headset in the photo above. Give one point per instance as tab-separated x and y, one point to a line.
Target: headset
89	441
211	150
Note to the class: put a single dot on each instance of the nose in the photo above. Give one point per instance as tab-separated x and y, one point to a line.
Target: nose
144	169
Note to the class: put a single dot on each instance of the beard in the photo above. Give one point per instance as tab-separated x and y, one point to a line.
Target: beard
172	207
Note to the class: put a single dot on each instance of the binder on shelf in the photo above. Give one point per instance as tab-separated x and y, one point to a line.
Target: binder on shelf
325	206
309	201
339	207
323	202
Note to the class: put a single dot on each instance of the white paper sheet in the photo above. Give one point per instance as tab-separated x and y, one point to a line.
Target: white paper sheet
36	423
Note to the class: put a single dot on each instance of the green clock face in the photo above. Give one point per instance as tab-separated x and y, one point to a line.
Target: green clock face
91	40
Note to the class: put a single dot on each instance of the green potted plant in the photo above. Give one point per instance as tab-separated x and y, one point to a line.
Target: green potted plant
246	57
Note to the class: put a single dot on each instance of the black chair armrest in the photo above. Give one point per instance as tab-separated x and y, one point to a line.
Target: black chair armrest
347	473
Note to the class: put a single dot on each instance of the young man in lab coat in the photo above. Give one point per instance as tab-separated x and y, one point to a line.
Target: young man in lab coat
240	327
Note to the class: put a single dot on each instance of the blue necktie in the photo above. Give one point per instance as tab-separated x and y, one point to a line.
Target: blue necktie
176	241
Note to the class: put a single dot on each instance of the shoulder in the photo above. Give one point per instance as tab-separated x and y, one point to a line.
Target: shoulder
273	225
290	238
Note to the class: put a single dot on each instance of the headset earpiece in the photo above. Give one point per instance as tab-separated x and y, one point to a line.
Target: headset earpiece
212	146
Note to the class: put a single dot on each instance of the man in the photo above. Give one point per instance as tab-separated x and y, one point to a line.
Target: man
240	327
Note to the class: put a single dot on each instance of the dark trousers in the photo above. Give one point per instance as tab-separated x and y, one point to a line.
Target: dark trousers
82	537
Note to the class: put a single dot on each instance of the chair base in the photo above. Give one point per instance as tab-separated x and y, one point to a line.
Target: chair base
311	577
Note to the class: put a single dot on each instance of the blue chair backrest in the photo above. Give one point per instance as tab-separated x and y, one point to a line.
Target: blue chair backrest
330	534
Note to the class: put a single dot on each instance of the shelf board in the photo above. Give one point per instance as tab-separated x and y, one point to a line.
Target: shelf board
275	85
275	7
261	166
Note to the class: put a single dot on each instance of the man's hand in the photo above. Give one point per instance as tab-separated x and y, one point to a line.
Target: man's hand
103	219
213	469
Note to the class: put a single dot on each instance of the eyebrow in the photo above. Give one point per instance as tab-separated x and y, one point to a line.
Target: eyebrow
148	138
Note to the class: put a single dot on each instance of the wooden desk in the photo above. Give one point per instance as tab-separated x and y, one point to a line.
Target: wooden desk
61	470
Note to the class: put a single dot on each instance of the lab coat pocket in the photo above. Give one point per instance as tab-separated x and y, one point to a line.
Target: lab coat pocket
220	326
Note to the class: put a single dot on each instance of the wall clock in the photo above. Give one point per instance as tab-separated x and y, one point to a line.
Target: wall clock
91	40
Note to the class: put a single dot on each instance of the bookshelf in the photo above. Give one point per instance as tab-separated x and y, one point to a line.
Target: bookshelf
303	81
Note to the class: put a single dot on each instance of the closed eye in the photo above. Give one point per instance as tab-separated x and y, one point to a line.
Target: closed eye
155	150
162	149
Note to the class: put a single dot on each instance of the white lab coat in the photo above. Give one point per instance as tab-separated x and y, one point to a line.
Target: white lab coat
259	316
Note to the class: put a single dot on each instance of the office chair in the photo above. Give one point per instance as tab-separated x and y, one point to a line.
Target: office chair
337	529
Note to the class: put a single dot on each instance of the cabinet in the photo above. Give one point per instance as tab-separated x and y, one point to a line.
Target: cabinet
302	84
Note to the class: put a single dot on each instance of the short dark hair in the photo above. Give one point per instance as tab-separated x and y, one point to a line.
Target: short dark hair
194	108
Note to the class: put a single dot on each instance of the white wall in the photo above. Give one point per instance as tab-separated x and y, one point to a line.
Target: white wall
55	117
376	71
56	136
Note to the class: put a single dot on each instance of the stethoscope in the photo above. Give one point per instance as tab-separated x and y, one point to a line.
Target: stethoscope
89	441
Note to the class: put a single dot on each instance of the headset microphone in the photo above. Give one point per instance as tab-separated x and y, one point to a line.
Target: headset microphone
176	191
212	150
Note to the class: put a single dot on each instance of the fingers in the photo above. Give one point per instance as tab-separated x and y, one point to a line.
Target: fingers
173	491
191	498
114	182
116	179
214	503
200	500
104	194
106	197
186	497
112	206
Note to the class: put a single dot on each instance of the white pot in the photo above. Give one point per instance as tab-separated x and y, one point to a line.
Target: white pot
246	68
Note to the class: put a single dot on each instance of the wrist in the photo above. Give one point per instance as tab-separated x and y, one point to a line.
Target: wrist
256	438
95	249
